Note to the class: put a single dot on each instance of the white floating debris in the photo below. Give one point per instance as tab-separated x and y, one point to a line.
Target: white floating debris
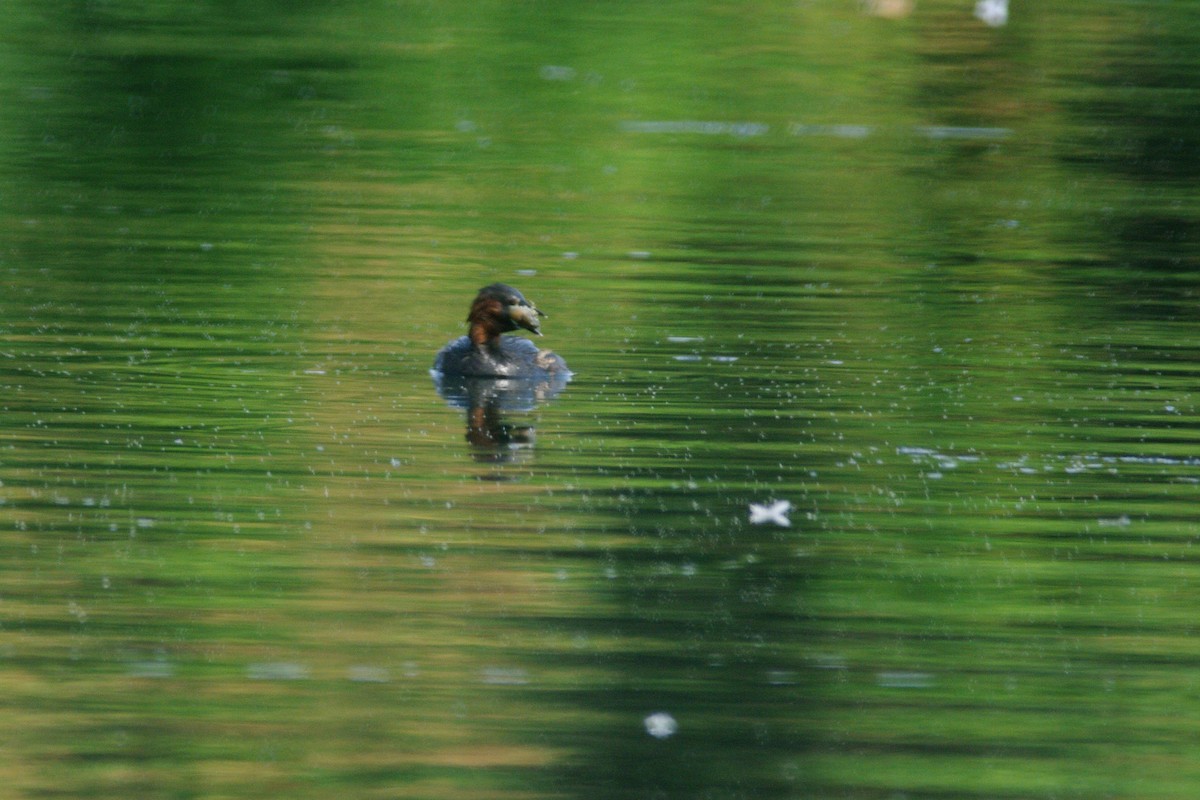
775	513
505	676
836	131
361	673
150	669
889	9
694	126
554	72
830	662
661	725
277	671
992	12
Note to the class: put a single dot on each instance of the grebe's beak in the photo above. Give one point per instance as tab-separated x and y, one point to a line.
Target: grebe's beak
526	316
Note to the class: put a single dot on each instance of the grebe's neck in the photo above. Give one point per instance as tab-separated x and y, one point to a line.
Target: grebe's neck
483	337
485	328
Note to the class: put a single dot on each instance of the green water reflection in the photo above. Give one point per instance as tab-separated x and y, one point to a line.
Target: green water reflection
930	280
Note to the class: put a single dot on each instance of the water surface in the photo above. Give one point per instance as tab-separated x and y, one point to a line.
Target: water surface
928	279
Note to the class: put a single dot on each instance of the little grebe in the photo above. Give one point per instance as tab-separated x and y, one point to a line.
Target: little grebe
482	353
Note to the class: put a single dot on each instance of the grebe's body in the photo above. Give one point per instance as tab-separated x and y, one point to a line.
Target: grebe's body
484	353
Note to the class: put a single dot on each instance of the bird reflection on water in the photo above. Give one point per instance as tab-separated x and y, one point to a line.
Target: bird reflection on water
491	376
490	402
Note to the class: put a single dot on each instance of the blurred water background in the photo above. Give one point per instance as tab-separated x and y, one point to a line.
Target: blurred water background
926	271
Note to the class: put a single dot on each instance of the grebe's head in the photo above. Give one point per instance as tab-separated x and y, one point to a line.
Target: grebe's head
500	308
